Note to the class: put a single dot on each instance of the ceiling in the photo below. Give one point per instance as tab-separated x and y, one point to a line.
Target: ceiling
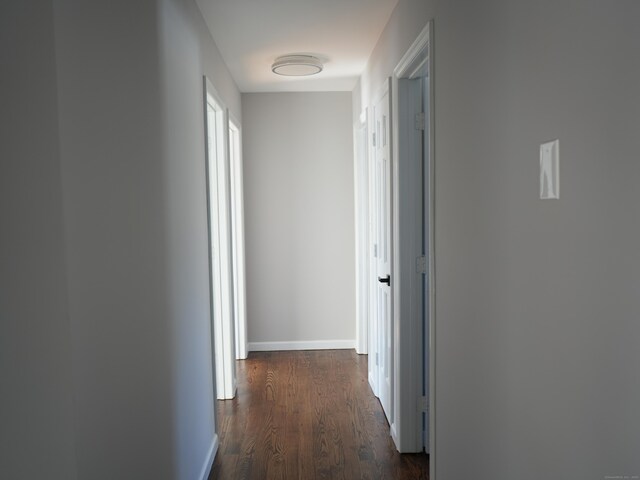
250	34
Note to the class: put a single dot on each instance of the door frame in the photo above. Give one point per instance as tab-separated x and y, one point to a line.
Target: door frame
373	341
220	267
409	196
362	221
238	271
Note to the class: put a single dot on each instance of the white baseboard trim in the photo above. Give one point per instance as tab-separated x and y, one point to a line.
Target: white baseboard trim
211	455
305	345
372	385
394	436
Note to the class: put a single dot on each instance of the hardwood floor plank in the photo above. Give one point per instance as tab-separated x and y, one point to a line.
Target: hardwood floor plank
307	415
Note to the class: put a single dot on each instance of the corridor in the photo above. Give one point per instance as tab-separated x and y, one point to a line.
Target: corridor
308	415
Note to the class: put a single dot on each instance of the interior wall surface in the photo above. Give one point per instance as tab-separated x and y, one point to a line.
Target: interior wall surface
546	289
187	53
36	390
132	149
116	237
536	304
298	173
406	22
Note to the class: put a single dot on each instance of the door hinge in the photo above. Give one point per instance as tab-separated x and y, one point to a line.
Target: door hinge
420	121
421	264
423	404
375	250
377	363
374	138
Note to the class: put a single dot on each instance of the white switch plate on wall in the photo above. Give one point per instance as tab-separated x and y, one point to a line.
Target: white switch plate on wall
550	170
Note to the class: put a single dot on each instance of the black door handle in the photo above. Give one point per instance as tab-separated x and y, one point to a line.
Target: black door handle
386	280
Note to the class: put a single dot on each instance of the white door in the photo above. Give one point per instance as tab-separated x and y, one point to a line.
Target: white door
383	254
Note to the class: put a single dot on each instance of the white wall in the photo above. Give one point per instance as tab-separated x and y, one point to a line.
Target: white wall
105	332
536	301
116	238
298	173
187	53
36	398
406	22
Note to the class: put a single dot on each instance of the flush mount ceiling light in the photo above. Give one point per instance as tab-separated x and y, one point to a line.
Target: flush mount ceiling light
297	65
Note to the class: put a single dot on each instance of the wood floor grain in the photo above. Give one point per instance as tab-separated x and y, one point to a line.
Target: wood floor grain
308	415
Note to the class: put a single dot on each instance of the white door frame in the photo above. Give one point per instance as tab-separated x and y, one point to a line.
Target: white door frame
219	232
237	230
409	293
361	197
371	259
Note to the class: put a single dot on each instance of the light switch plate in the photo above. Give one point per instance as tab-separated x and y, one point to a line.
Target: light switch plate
550	170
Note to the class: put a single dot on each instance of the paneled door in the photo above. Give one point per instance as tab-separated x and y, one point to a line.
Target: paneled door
383	253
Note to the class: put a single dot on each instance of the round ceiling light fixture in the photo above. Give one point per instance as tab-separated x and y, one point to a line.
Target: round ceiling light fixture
297	65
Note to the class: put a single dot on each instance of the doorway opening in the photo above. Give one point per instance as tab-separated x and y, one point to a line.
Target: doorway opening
415	351
237	239
399	254
226	241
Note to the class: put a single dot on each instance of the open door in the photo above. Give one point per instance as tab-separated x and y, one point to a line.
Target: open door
382	252
414	254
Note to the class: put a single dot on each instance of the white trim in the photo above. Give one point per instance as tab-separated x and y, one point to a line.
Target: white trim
361	211
238	240
407	429
416	48
432	260
301	345
372	261
219	235
393	431
211	455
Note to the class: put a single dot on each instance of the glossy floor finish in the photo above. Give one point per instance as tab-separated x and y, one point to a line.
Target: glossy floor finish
308	415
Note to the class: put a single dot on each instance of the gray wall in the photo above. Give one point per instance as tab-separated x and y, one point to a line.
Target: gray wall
187	53
537	304
298	174
114	203
36	398
557	313
406	22
106	351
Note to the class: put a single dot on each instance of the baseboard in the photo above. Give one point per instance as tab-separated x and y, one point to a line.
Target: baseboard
394	436
372	384
211	455
308	345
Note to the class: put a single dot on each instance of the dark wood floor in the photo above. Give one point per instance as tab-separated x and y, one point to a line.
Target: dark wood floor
308	415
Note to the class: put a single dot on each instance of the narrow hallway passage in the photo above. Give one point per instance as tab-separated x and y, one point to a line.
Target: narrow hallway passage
308	415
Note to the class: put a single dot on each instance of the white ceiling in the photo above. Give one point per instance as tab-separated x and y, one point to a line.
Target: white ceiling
250	34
